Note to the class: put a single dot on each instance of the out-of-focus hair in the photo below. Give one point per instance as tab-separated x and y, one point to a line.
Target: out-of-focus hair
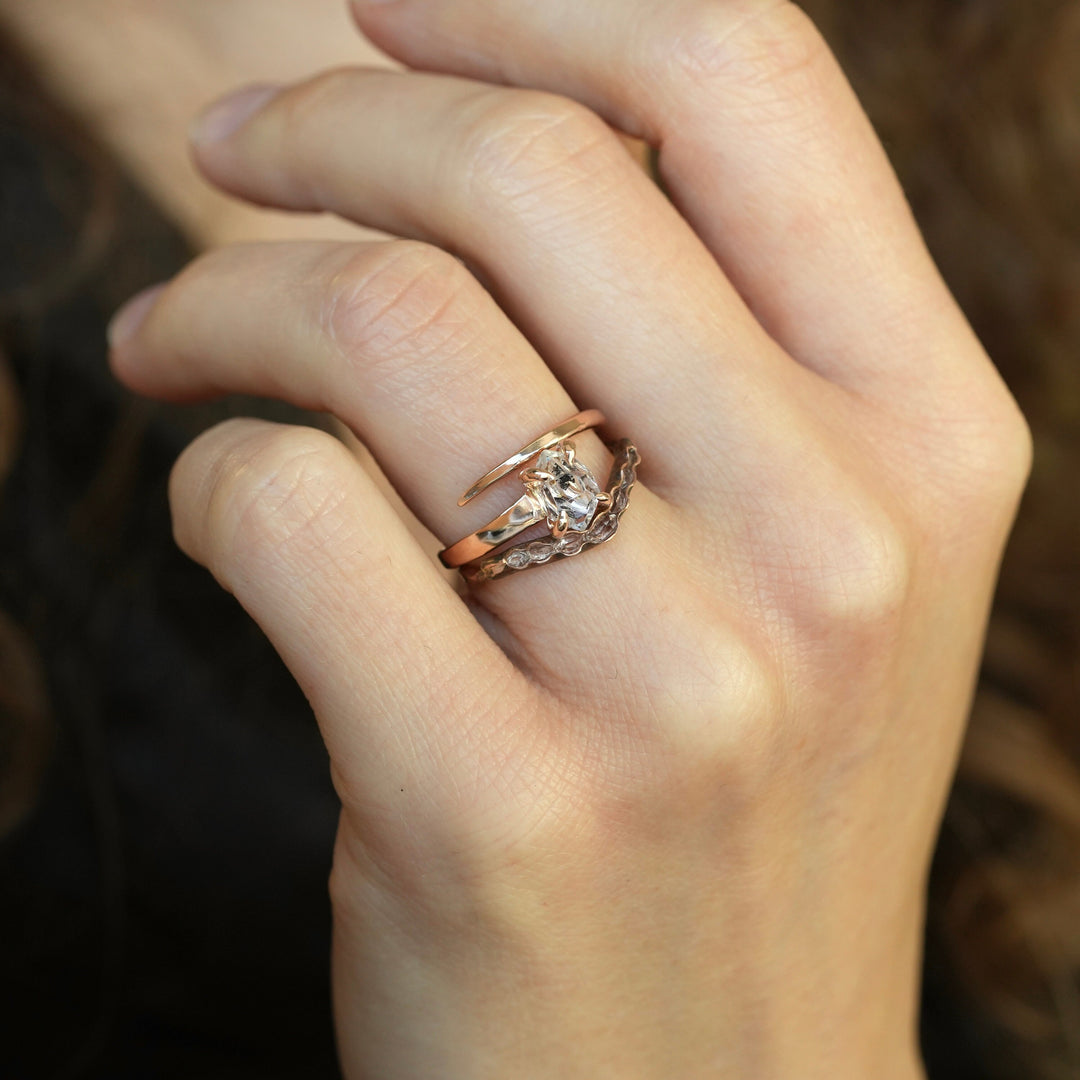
25	726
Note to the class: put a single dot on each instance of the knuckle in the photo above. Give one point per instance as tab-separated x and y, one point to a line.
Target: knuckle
303	109
523	144
989	461
851	573
866	578
272	489
971	461
730	717
400	298
772	52
712	690
1015	452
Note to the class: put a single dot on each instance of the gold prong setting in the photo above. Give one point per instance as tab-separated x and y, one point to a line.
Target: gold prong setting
564	490
559	490
548	549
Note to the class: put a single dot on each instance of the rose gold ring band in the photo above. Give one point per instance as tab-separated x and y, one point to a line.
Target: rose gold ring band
559	489
582	421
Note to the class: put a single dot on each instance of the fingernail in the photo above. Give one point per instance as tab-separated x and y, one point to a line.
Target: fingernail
222	118
130	316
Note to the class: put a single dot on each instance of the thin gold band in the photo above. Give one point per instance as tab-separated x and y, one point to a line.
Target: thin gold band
587	418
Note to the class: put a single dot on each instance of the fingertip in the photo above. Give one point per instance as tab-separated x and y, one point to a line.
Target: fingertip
197	470
131	358
122	332
130	316
227	115
142	364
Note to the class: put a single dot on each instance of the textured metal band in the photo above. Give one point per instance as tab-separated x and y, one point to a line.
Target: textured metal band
532	553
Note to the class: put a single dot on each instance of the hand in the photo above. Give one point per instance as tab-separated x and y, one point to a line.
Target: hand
664	809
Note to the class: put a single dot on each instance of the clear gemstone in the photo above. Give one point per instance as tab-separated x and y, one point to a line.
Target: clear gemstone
571	488
518	559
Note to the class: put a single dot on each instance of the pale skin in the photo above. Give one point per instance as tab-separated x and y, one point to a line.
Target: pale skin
665	809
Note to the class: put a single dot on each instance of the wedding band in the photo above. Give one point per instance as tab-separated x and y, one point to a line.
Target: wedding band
559	489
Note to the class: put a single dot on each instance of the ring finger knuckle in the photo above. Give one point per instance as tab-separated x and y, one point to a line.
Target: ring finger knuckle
718	701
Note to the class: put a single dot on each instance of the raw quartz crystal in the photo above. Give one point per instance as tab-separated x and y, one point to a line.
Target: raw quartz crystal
572	488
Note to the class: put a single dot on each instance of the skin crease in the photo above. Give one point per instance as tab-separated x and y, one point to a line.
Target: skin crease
665	809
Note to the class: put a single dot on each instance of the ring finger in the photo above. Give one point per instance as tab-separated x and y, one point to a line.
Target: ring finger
396	338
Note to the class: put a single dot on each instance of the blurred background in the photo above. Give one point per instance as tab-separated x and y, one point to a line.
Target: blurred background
166	815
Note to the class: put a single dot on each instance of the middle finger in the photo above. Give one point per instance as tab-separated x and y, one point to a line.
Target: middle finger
610	284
